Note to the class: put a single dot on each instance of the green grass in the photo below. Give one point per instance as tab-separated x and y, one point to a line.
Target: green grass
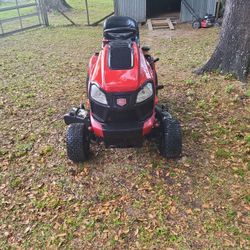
222	153
230	88
15	24
14	13
97	10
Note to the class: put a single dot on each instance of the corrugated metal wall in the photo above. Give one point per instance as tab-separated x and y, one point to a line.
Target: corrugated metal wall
133	8
137	9
201	7
211	6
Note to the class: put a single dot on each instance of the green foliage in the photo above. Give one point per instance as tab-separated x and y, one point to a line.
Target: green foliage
247	199
190	82
247	138
223	153
205	78
248	93
240	172
230	88
15	182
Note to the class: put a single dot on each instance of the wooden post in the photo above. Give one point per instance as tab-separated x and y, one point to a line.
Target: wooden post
44	13
150	26
170	24
218	9
87	9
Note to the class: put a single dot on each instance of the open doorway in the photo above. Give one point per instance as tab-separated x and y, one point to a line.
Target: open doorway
163	8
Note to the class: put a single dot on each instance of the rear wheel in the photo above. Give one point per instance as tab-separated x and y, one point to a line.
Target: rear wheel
77	143
171	139
196	24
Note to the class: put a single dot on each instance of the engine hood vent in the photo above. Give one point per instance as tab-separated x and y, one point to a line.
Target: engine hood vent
120	55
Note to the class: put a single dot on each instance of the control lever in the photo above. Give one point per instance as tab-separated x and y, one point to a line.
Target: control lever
156	60
159	87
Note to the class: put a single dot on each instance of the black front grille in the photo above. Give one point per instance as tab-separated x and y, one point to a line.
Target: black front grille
145	110
119	116
99	111
129	113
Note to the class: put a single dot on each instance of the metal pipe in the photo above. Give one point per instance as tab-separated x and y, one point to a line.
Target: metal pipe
20	19
1	27
87	9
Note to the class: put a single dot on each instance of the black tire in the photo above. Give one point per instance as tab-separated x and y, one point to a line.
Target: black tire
77	143
171	139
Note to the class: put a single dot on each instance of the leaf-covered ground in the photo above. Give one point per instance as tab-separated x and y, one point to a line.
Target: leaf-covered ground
120	199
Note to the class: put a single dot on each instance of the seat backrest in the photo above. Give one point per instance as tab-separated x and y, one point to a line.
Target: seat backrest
121	28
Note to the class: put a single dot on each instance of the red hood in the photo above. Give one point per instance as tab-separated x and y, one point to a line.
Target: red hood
121	80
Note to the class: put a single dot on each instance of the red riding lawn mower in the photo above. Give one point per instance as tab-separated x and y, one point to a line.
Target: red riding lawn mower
122	89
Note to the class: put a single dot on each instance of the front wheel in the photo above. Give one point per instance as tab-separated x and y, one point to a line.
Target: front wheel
77	142
171	138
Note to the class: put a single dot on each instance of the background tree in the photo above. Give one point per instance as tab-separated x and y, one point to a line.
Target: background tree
232	54
61	5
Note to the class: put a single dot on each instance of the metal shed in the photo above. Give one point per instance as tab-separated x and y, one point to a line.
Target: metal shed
132	8
138	9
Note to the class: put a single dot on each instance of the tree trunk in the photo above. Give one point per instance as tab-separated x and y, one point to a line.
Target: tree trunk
62	5
232	54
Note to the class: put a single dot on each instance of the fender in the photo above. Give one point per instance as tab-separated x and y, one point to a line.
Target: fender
92	63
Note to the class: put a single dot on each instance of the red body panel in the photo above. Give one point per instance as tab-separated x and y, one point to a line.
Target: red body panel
115	81
148	125
92	63
96	126
204	24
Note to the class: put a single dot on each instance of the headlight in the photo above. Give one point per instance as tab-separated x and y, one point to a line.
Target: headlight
98	95
145	93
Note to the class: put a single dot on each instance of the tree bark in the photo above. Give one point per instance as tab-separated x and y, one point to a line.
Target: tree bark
232	54
61	5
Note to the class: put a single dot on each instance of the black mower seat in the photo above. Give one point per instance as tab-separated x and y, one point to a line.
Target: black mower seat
121	28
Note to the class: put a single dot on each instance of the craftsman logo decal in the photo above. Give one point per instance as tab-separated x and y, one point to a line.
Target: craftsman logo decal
121	102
